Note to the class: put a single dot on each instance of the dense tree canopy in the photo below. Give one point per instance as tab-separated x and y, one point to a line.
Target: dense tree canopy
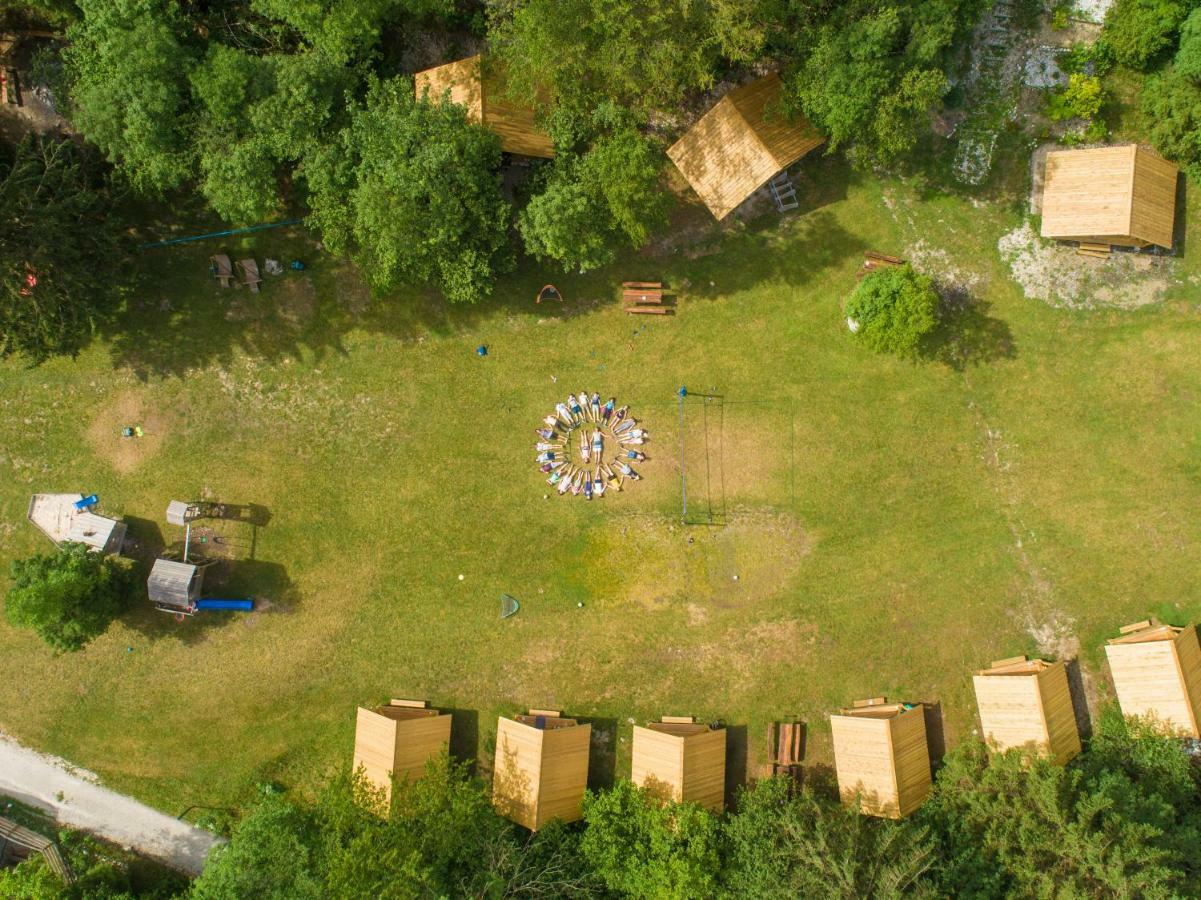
69	597
412	189
61	248
893	309
1139	31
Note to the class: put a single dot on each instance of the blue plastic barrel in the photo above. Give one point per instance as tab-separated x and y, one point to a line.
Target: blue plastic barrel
238	605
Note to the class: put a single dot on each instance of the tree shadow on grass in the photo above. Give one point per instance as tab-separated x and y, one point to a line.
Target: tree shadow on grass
966	335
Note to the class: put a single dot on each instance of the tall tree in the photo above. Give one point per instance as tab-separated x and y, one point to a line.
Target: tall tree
61	249
69	597
127	69
413	192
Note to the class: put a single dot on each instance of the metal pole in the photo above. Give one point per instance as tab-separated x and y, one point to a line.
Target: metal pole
680	395
187	539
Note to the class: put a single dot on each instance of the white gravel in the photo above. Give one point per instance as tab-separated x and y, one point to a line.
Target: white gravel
76	798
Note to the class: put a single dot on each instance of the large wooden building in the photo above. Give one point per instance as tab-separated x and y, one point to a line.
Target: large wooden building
397	740
1109	195
681	760
737	146
1026	703
881	756
477	84
541	768
1157	673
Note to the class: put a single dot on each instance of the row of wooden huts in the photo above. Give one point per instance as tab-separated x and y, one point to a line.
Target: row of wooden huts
881	749
1100	197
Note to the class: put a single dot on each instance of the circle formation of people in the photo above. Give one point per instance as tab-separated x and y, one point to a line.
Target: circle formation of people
575	442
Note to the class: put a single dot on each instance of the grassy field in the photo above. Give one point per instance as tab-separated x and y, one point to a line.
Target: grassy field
892	525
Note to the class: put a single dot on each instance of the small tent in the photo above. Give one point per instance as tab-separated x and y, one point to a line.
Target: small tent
59	518
881	755
397	740
1109	195
541	768
478	85
682	760
1026	703
1157	673
738	145
173	585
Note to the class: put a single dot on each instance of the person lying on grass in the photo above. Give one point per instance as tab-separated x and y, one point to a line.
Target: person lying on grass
626	470
607	410
598	444
634	454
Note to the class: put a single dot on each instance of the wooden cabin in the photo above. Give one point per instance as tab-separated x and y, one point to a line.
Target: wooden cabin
681	760
737	146
1026	703
398	740
59	518
1157	672
479	85
881	755
541	768
1109	195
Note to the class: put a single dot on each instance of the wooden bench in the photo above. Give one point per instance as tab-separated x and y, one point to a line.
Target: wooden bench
788	745
649	310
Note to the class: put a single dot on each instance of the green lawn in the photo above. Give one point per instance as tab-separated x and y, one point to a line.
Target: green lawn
892	525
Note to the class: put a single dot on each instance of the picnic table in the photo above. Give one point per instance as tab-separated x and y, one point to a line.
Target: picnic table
636	292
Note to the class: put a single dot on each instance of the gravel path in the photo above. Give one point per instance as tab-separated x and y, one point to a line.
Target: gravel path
76	798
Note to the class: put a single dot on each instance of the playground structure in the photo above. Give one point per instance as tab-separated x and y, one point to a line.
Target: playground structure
541	768
396	741
70	518
174	586
682	761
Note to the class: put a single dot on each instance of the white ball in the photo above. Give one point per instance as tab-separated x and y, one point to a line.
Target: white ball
580	604
461	577
735	577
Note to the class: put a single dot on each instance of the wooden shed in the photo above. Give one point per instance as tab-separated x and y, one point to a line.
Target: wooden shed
58	517
174	585
1110	195
1026	703
479	85
682	760
398	740
882	757
541	768
740	143
1157	672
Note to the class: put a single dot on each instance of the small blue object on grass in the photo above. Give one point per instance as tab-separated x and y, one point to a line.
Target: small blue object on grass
86	502
481	350
297	266
683	391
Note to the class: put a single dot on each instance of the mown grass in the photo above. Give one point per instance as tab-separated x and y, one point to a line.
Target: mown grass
893	525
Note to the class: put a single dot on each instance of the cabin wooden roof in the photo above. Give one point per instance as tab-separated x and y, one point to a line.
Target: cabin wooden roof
1026	703
1156	672
881	756
174	583
398	740
681	760
541	768
479	86
1119	195
738	145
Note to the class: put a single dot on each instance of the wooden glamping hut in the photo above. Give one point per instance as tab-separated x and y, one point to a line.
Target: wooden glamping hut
882	757
398	740
541	768
682	760
1026	703
1157	672
62	518
1109	195
478	85
739	144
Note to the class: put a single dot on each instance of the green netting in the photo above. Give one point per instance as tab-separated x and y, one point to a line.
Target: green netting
508	606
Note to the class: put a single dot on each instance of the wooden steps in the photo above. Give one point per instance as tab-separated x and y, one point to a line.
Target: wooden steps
1097	251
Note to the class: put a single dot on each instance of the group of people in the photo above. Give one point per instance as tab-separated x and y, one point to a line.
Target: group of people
587	473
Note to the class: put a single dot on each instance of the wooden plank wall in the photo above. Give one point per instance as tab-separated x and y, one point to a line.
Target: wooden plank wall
1153	207
418	740
911	755
564	774
1063	734
1188	655
704	780
516	772
1148	682
863	759
657	762
1010	712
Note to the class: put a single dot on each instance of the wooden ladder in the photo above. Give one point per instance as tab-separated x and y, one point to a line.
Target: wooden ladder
782	192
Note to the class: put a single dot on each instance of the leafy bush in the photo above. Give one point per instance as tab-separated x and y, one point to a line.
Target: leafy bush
1138	31
70	597
893	309
1080	99
1171	111
1188	55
